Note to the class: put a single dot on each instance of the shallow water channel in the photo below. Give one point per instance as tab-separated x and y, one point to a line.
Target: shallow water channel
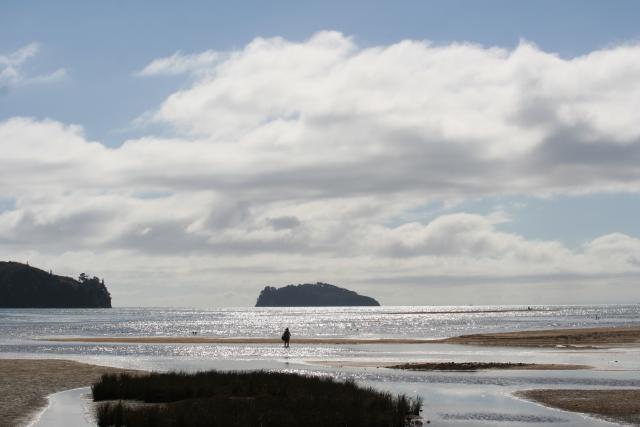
483	398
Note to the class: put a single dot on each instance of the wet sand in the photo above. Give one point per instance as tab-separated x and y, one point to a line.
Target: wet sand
477	366
576	338
517	310
25	384
615	405
570	338
447	366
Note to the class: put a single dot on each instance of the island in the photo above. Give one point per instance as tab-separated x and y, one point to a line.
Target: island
24	286
312	295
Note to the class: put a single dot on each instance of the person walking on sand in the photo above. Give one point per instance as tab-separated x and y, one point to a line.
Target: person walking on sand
286	336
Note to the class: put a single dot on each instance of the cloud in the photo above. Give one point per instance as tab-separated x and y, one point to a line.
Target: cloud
11	73
466	235
624	249
458	119
294	161
179	63
21	55
509	101
54	76
163	260
284	222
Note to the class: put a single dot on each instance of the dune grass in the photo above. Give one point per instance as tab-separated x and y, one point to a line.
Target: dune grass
241	399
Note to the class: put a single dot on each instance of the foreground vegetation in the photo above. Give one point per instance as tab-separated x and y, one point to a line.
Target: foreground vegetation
245	399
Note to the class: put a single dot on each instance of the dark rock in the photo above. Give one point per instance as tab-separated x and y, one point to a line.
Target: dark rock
23	286
312	295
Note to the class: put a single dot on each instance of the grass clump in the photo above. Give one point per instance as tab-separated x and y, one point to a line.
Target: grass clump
230	399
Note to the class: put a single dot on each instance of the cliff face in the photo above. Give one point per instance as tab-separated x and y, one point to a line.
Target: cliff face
312	295
22	286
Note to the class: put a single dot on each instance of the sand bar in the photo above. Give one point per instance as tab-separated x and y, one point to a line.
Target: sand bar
481	366
26	383
582	337
616	405
514	310
576	338
446	366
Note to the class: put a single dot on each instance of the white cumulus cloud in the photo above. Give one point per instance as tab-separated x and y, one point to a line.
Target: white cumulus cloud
304	161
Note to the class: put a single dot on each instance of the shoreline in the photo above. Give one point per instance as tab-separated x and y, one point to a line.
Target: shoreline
578	338
567	338
620	406
513	310
27	383
487	366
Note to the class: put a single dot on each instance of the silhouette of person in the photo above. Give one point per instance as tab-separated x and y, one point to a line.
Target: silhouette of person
286	336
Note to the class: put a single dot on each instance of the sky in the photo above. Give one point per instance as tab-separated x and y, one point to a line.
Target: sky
423	153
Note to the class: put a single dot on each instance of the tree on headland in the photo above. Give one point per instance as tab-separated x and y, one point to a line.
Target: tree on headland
23	286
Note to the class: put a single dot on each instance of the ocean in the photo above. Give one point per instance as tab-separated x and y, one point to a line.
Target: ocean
481	398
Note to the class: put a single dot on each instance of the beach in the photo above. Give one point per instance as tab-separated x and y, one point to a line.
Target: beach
26	383
468	365
449	366
477	366
554	337
616	405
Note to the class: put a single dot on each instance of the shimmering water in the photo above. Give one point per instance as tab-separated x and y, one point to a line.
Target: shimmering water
451	398
357	322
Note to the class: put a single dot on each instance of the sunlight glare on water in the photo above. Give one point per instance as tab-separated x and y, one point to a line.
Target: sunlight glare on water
346	322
